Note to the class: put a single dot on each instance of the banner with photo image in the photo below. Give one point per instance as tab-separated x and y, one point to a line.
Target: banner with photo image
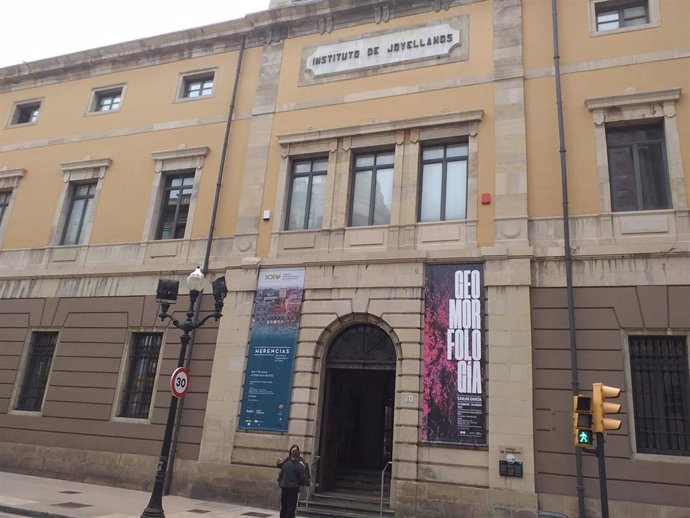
453	408
272	348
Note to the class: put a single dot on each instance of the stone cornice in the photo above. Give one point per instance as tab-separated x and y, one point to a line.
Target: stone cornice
180	153
260	28
382	127
12	173
87	163
631	99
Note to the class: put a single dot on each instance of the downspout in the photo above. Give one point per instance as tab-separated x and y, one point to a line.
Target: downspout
575	382
207	257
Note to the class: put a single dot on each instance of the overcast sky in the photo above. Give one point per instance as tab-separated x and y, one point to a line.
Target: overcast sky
38	29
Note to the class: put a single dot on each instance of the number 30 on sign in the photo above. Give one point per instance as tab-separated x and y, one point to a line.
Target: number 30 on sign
179	382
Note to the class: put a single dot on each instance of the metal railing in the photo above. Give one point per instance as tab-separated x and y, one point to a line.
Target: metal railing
383	475
311	488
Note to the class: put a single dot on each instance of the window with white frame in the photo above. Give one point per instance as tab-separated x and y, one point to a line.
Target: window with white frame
38	363
307	193
106	100
372	189
197	84
25	112
660	377
140	375
443	189
78	201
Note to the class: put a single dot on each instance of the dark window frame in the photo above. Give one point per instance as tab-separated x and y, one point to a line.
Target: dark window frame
619	7
168	188
372	191
73	197
26	113
39	363
205	82
5	197
660	379
113	95
635	147
311	174
141	375
444	175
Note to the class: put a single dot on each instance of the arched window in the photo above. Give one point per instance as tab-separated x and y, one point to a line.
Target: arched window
363	346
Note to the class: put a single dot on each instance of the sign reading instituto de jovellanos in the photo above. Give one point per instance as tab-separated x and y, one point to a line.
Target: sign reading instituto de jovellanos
419	45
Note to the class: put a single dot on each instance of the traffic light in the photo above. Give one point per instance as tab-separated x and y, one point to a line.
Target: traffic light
601	407
582	421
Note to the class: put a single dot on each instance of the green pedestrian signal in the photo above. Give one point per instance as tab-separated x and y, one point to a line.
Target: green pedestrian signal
584	438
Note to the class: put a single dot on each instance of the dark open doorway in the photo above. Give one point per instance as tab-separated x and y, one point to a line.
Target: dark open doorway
357	431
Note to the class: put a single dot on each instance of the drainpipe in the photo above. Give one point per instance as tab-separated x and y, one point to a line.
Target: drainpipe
575	382
207	256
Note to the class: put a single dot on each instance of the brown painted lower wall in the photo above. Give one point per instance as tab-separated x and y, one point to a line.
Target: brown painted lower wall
83	384
601	315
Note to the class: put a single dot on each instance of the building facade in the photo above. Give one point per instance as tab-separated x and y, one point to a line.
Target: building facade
380	184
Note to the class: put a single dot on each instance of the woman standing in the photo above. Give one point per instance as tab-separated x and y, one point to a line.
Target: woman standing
293	475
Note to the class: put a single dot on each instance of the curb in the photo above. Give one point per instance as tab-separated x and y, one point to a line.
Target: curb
30	512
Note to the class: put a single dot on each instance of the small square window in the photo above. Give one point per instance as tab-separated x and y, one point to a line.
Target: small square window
106	100
619	14
26	113
197	85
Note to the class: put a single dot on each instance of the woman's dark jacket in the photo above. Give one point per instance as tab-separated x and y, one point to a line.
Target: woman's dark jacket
293	474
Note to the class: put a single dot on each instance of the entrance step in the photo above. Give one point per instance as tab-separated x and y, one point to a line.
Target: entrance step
344	505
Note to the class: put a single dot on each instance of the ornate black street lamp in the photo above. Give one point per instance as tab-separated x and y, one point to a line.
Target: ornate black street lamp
166	294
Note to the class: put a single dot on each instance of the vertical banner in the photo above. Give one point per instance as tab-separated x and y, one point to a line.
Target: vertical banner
271	355
453	371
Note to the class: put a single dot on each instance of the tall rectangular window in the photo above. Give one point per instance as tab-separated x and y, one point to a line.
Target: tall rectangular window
661	394
140	380
307	193
4	203
372	190
444	183
79	214
637	167
38	364
617	14
175	205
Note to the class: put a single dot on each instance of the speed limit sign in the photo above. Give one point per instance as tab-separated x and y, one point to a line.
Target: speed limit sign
179	382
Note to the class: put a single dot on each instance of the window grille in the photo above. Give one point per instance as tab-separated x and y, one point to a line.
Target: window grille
141	376
37	370
661	394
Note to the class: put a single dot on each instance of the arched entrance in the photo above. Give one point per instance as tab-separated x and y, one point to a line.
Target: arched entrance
357	431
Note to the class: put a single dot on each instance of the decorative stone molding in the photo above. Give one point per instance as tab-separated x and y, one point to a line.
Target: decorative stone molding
326	24
10	178
382	13
441	5
181	158
86	169
638	107
276	33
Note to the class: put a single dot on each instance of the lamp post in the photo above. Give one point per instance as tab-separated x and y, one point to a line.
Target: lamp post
166	294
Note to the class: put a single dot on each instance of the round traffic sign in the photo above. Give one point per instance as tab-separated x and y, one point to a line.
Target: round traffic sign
179	382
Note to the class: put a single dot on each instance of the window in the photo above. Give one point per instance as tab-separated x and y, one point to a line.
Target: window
107	100
37	369
444	183
307	192
372	190
4	203
175	205
637	167
197	85
617	14
661	394
80	212
142	365
26	113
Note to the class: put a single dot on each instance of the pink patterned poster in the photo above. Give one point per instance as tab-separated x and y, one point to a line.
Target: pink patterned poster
453	371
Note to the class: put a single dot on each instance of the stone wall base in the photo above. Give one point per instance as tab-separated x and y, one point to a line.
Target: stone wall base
617	509
433	500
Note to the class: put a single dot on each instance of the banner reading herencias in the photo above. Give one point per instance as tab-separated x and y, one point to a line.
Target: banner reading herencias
453	371
272	348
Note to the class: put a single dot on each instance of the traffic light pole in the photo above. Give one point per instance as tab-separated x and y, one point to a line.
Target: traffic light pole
603	490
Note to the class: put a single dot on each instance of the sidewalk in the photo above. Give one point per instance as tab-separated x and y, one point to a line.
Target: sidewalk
53	498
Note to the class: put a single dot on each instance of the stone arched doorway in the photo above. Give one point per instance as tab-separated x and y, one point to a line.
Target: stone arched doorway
357	427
